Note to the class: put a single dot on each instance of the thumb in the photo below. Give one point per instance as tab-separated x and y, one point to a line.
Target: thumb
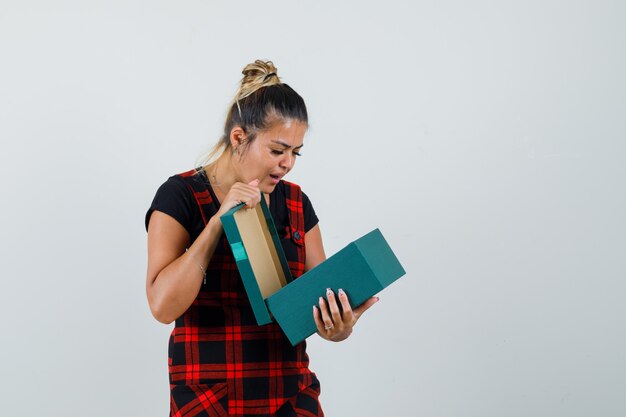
254	183
365	306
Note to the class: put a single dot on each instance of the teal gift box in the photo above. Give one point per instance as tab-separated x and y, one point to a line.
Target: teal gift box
362	269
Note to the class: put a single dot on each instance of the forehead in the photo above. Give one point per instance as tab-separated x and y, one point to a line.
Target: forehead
287	132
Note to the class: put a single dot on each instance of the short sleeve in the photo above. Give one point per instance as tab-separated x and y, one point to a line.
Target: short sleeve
310	218
176	200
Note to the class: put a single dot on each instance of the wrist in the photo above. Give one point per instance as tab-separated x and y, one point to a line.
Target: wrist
214	224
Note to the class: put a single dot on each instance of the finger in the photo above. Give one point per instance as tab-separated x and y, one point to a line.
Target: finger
365	306
348	315
328	322
231	203
242	199
255	198
244	193
317	317
249	194
332	305
254	183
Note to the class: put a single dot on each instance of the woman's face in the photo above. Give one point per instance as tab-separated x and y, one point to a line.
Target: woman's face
271	155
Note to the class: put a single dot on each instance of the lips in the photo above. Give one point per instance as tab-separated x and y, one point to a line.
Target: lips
275	178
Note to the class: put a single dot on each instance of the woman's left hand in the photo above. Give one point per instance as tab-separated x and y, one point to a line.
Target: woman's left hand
334	324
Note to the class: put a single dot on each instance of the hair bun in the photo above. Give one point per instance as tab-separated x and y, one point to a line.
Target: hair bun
257	75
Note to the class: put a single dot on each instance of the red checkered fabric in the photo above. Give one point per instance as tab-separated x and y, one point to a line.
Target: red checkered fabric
295	230
221	363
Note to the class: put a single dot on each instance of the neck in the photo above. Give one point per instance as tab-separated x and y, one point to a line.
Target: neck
221	173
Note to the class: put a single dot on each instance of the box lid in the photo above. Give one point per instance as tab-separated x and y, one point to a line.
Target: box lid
362	269
258	254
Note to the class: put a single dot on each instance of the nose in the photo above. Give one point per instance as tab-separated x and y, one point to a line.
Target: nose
287	161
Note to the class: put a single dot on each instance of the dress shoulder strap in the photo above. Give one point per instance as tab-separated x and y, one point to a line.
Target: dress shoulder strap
295	230
194	180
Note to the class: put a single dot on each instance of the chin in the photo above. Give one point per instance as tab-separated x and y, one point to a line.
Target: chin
267	189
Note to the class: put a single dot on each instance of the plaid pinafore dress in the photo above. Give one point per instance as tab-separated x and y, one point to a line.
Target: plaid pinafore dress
221	363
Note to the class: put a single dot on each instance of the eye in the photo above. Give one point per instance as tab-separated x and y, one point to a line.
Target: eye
277	152
297	153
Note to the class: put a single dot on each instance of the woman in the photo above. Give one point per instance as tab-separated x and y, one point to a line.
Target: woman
220	361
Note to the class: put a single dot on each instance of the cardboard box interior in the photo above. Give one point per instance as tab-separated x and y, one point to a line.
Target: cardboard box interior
261	251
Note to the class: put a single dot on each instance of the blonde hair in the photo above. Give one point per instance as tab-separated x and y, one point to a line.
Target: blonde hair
257	75
260	100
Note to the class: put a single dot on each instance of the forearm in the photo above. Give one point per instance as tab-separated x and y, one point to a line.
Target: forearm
177	285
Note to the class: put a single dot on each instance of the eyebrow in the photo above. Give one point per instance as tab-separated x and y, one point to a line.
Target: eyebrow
286	145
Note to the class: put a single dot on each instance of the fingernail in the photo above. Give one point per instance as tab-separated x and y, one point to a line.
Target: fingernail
341	292
314	308
329	291
321	300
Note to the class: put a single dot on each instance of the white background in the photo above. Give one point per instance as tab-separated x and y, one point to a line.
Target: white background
486	139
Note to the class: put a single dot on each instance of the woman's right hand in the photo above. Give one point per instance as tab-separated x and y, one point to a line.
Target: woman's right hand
241	193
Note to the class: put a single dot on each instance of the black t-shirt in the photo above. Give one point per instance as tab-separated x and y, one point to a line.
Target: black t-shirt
175	199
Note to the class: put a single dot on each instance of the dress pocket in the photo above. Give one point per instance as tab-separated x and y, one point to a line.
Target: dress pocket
199	400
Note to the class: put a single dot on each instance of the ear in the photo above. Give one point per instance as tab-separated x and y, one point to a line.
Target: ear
237	136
